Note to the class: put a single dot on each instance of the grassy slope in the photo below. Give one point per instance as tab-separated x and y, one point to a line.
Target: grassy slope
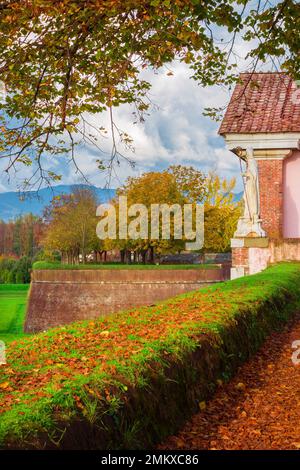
46	265
130	379
13	298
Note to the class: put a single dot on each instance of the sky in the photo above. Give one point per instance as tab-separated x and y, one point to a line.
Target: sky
175	132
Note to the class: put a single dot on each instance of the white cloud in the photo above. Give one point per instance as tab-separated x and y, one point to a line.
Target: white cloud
174	133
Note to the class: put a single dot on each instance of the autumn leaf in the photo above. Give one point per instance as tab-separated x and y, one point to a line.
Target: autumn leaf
4	385
240	386
104	333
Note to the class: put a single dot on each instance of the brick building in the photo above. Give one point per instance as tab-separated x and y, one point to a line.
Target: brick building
264	114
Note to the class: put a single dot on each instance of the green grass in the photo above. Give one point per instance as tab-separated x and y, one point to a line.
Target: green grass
13	299
128	380
46	265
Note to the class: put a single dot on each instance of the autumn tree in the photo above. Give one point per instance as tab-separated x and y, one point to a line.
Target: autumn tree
179	185
63	61
221	213
147	189
191	182
71	225
21	236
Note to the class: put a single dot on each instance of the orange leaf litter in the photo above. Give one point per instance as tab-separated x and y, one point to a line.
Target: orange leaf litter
258	409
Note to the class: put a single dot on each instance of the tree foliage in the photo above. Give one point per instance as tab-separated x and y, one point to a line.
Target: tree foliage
70	225
15	271
147	189
21	237
221	213
180	185
64	60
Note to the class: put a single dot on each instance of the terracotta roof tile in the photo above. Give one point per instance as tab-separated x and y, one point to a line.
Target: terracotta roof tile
263	102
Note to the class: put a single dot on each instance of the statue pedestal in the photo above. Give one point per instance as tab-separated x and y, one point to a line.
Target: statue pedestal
249	228
250	255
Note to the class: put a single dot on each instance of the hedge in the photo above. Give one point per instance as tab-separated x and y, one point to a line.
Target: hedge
129	380
50	265
15	271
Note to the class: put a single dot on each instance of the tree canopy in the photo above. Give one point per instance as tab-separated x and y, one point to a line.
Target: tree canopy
179	185
62	61
70	225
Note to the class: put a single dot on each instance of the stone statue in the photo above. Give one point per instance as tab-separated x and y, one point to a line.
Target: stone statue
250	224
251	193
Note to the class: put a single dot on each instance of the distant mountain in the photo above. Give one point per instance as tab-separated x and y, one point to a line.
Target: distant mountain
13	204
238	196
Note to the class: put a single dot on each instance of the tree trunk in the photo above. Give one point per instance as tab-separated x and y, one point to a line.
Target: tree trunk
151	254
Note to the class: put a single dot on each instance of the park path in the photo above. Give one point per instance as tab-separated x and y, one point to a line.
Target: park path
258	409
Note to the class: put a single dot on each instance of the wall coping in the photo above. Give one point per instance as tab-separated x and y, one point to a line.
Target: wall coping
126	275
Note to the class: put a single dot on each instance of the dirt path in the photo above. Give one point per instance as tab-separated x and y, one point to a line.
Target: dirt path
258	409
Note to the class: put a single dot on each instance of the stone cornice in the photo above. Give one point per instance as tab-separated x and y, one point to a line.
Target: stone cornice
259	154
265	146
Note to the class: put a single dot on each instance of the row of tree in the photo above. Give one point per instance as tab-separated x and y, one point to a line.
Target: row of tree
20	245
21	237
67	230
70	221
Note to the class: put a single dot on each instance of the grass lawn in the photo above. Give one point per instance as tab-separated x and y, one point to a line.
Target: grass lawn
46	265
13	298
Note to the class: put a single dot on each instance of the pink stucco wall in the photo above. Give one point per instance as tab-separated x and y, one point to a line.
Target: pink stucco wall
259	259
291	196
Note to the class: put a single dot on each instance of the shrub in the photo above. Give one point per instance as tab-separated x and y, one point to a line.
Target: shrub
15	270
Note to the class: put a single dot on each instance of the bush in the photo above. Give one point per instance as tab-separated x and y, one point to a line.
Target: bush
15	271
19	278
48	256
10	277
22	270
7	266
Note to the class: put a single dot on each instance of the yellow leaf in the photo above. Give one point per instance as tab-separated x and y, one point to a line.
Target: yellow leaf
202	405
240	386
4	385
104	333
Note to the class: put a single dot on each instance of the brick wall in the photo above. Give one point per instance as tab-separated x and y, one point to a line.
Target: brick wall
58	297
271	196
240	257
256	259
